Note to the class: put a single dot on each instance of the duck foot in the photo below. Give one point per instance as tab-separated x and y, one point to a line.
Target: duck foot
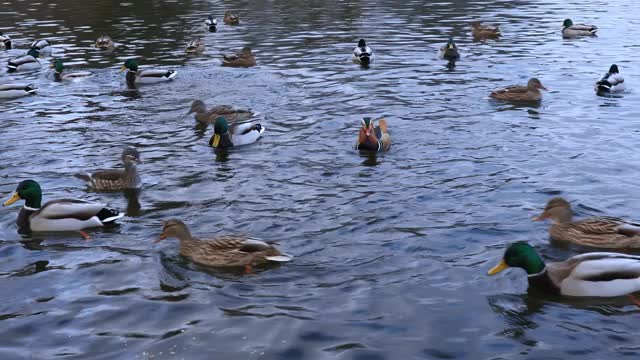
84	235
634	300
247	270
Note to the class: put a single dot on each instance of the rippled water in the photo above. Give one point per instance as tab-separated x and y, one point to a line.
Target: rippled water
391	250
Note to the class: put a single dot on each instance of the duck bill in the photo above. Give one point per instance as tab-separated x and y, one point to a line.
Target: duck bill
216	140
162	237
498	268
15	197
123	68
539	217
543	88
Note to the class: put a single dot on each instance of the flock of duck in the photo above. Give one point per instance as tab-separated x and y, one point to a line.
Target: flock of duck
594	274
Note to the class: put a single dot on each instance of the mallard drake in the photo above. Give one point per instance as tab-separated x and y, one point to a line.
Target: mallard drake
373	138
597	274
600	231
16	90
5	42
59	67
571	30
225	136
230	113
42	46
531	92
611	81
211	24
135	76
231	18
244	58
362	54
449	51
58	215
116	179
25	62
222	251
104	42
481	31
195	46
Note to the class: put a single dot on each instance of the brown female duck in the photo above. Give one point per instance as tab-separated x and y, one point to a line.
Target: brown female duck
373	138
244	58
481	31
531	92
231	114
223	251
602	231
231	18
116	179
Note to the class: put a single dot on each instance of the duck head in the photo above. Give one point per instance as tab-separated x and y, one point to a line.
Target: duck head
198	107
34	52
174	228
57	65
130	156
522	255
613	69
130	64
28	190
213	23
567	23
6	41
220	128
450	43
535	84
246	52
557	210
475	24
104	41
362	43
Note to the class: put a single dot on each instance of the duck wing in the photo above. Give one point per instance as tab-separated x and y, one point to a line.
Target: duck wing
513	89
606	225
156	74
584	27
69	208
21	60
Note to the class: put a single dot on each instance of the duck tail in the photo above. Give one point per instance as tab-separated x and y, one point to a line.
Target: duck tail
280	258
109	215
86	177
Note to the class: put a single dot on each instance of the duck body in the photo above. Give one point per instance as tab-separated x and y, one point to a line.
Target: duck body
25	62
362	54
16	90
597	274
104	42
42	46
481	31
116	179
225	136
195	46
59	76
58	215
211	24
517	93
611	82
231	18
373	138
5	42
222	251
136	76
228	112
244	58
571	30
449	51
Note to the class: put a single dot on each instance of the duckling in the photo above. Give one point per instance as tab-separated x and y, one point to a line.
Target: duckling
244	58
59	67
362	54
195	46
5	42
222	251
16	90
373	138
135	76
230	113
531	92
449	51
211	24
571	30
611	81
225	136
104	42
42	46
25	62
484	31
231	18
117	179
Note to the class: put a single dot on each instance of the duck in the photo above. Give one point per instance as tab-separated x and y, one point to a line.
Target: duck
222	251
231	18
449	51
481	31
25	62
611	82
571	30
362	54
596	274
16	90
211	24
244	58
229	112
135	76
59	76
599	231
225	136
531	92
373	138
42	46
195	46
5	42
104	42
58	215
116	179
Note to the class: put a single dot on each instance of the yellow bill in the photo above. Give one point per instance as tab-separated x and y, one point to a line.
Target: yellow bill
496	269
15	197
216	140
123	68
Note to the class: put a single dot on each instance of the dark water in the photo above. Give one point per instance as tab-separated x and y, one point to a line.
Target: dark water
391	250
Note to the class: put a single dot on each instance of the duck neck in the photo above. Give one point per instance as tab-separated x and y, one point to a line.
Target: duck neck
131	177
33	201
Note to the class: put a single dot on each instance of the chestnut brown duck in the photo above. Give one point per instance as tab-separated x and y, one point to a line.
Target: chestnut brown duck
531	92
600	231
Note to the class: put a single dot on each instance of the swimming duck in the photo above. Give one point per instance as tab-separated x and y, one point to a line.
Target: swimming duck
611	81
5	42
597	274
231	18
481	31
600	231
211	24
195	46
222	251
244	58
531	92
571	30
225	136
42	46
362	54
117	179
16	90
25	62
230	113
59	67
58	215
145	76
449	51
373	138
104	42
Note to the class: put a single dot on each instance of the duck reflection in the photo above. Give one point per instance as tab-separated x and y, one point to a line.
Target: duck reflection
133	202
